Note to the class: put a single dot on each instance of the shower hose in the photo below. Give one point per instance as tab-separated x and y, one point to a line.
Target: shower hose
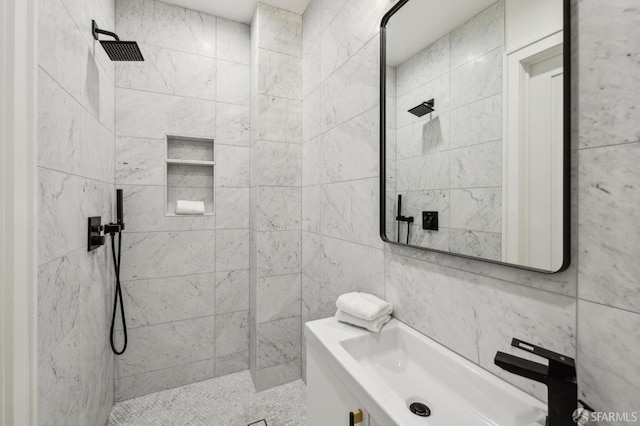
118	295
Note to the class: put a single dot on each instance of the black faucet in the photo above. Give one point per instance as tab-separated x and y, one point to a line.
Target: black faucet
559	376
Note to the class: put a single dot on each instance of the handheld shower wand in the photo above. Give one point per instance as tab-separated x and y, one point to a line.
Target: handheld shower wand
400	218
113	229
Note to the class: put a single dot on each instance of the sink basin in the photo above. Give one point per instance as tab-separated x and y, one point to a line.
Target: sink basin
392	369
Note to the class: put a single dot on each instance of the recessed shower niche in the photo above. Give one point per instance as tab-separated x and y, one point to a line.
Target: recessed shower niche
189	173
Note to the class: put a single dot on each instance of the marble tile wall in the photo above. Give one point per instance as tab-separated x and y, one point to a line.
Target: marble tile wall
473	307
185	279
276	197
75	173
439	163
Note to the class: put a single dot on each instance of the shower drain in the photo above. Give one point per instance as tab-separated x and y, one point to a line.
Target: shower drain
419	409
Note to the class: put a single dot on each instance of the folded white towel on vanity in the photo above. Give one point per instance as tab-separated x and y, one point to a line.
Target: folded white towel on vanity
364	306
190	207
371	325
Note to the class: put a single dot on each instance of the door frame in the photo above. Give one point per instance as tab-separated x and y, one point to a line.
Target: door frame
18	212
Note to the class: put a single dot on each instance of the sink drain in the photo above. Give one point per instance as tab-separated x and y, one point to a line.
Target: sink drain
419	409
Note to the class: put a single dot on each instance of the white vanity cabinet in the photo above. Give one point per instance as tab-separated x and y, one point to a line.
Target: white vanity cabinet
329	402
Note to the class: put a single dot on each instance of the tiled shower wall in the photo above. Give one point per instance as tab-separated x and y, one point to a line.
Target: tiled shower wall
185	279
75	174
475	307
275	298
442	162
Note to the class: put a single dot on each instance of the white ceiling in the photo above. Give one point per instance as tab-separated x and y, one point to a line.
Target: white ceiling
238	10
420	23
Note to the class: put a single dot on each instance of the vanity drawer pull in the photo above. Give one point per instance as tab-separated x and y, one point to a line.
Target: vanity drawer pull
355	417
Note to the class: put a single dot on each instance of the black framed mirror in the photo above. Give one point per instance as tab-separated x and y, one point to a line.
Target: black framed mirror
475	129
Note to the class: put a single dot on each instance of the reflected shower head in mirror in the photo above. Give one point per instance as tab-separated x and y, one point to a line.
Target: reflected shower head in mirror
423	108
116	49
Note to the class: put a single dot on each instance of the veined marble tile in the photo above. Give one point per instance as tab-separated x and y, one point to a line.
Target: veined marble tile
170	71
608	353
278	253
59	390
232	124
279	297
436	240
481	34
349	267
424	172
277	375
279	75
153	115
175	193
477	122
232	249
609	193
278	342
278	163
311	256
167	378
424	66
316	18
232	206
232	363
232	291
144	211
609	64
485	245
415	202
162	300
311	107
349	210
166	345
234	41
317	301
353	88
437	89
278	208
390	97
70	139
478	209
232	83
356	24
477	80
232	333
61	44
140	161
162	254
189	176
279	30
311	71
311	160
477	166
279	119
162	24
59	214
423	137
357	138
311	208
232	166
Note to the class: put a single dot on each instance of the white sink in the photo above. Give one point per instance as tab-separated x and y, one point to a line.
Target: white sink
391	369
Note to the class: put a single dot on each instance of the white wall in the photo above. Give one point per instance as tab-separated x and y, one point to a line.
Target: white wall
528	21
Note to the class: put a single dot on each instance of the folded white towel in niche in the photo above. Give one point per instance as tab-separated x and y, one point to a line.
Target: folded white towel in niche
362	305
372	325
190	207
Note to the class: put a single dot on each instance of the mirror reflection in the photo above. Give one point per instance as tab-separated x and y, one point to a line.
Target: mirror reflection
474	130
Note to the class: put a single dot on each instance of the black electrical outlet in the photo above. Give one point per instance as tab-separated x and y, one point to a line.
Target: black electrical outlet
430	221
95	238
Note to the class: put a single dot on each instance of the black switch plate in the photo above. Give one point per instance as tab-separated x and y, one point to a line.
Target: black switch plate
95	239
430	221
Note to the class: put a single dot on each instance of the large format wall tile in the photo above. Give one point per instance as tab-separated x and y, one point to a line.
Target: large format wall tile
477	166
279	297
478	209
609	182
481	34
231	83
232	333
278	208
232	207
153	115
232	249
279	30
163	300
233	40
278	253
278	163
278	342
232	124
232	166
232	291
280	119
140	161
485	126
160	254
279	74
171	72
424	66
478	79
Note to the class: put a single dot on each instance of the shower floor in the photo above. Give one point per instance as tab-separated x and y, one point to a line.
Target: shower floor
226	401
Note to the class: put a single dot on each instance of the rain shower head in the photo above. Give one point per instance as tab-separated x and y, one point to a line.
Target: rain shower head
423	108
116	49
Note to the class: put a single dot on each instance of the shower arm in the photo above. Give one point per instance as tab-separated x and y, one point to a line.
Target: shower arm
97	31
